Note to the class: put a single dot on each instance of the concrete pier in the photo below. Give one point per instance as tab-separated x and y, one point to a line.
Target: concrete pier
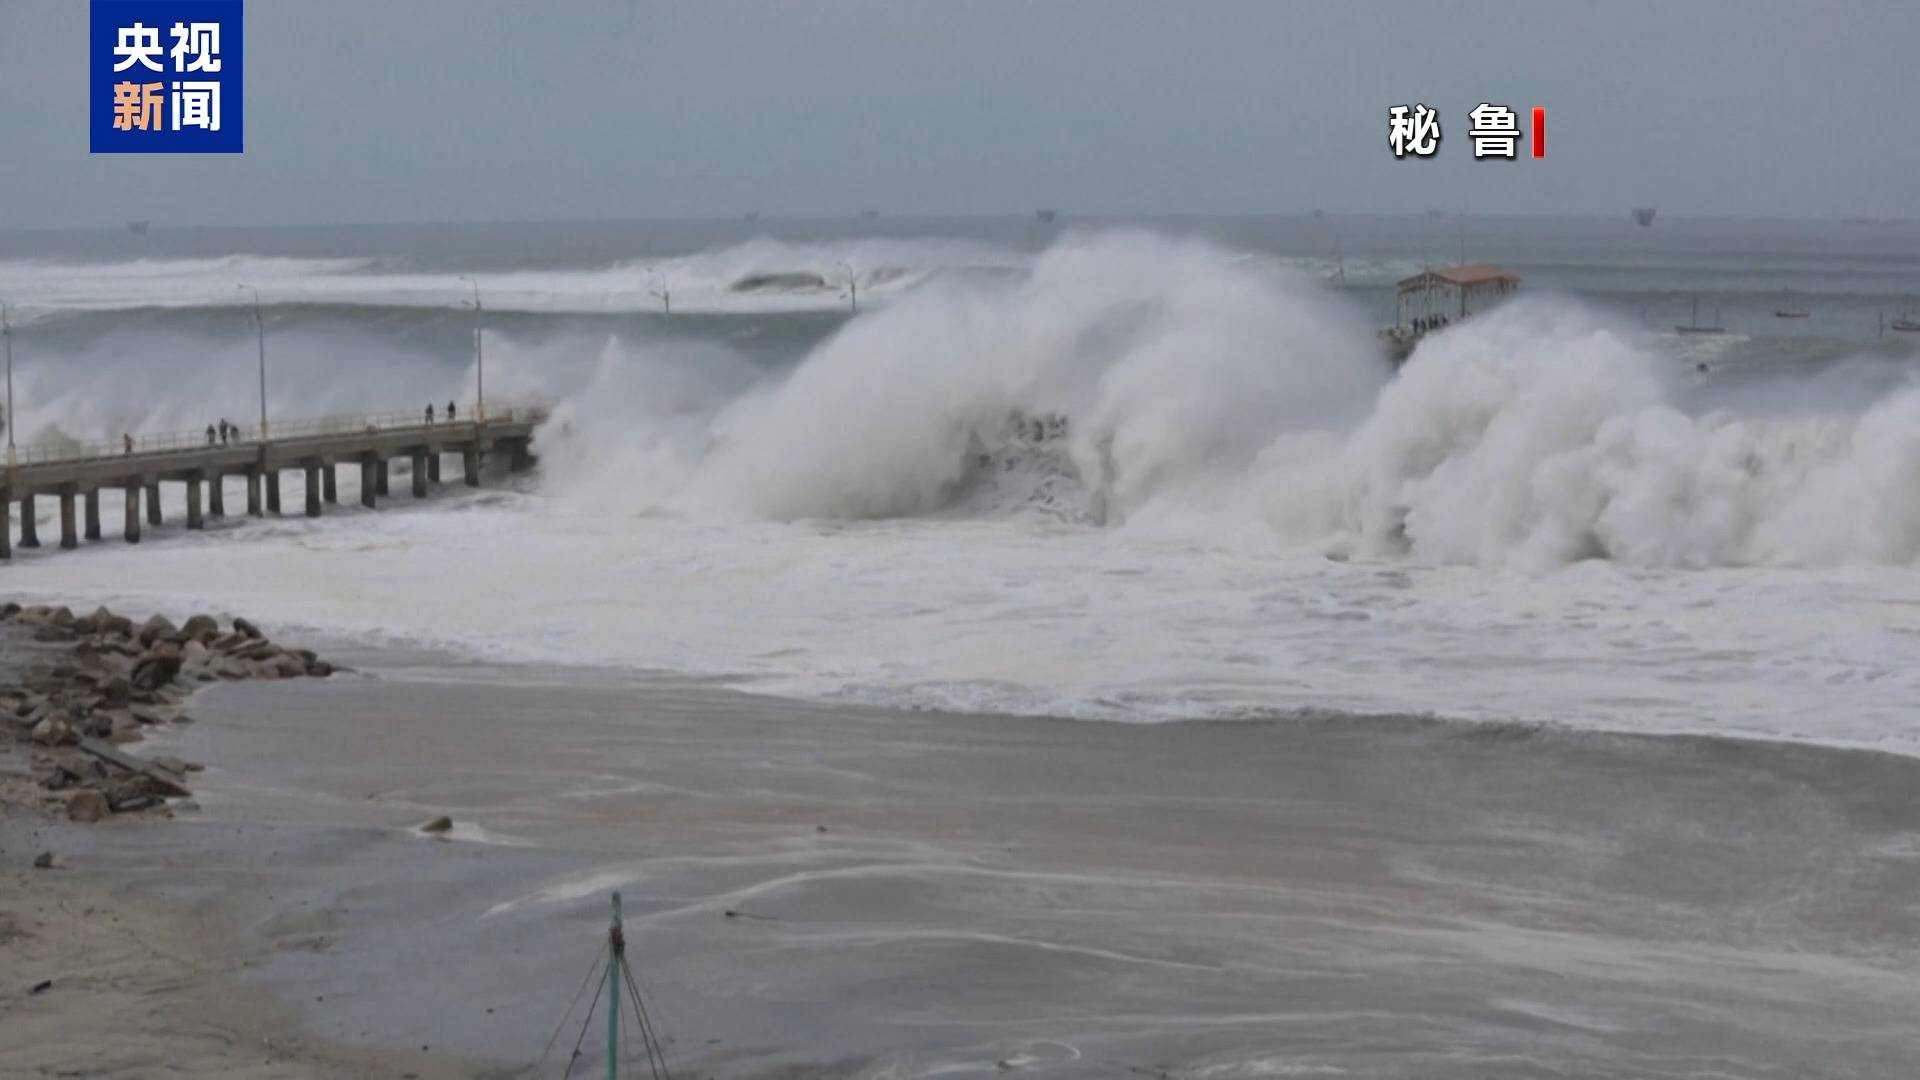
69	522
313	488
317	447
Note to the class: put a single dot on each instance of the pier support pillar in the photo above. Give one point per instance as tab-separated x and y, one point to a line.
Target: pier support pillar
380	477
367	485
433	466
93	514
29	527
470	464
153	503
419	474
313	489
330	482
194	518
522	456
217	495
133	512
253	492
69	525
6	524
273	491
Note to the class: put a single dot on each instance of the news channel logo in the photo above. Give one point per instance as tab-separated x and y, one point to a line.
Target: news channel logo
167	76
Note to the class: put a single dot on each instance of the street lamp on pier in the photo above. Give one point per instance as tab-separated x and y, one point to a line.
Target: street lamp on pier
665	294
260	328
6	332
853	287
479	357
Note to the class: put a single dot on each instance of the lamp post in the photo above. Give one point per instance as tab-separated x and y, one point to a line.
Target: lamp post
479	357
6	332
853	287
665	294
260	327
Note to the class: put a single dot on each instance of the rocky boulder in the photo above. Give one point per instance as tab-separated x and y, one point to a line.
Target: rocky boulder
55	730
154	671
87	805
156	628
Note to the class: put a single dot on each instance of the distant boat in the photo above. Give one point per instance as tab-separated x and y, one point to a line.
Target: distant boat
138	228
1906	326
1643	215
1045	217
1436	212
1694	327
1788	310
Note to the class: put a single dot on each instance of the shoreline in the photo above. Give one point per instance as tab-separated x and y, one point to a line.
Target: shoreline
1188	898
928	893
367	652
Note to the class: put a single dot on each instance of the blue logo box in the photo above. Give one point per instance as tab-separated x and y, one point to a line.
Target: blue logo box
166	76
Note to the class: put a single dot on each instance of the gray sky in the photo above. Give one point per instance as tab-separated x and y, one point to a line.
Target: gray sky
409	110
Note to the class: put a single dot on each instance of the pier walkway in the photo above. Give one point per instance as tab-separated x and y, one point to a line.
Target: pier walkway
76	474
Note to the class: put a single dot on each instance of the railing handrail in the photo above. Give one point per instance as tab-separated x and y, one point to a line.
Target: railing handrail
280	430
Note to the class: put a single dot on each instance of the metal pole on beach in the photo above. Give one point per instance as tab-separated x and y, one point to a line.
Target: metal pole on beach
613	992
479	356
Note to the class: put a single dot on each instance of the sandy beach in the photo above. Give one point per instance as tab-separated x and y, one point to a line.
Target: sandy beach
921	894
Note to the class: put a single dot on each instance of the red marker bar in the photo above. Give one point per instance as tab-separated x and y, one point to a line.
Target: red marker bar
1539	132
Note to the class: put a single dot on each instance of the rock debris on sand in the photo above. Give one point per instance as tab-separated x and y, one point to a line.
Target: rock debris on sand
114	680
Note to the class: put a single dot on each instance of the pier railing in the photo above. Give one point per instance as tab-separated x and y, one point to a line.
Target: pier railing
280	431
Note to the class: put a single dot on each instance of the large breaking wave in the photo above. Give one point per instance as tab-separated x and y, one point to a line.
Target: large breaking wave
1207	392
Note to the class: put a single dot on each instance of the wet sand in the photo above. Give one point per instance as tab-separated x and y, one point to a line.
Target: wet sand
921	894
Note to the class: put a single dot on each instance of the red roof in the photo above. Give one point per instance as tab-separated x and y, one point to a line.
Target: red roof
1463	274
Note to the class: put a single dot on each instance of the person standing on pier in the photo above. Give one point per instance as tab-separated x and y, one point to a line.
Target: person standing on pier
209	434
429	412
449	410
126	441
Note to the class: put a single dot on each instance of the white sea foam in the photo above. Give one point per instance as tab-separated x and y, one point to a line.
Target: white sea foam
1244	515
707	281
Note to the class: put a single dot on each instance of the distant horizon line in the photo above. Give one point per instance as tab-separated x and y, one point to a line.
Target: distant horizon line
1066	217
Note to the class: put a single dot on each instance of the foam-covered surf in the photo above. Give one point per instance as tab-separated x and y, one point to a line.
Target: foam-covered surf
1122	476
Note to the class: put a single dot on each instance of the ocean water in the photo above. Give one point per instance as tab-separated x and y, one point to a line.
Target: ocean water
1124	470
